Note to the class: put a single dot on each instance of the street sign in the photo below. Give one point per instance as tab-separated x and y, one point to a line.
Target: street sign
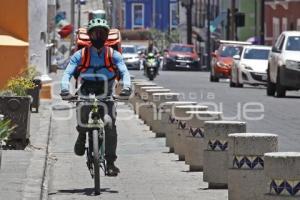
217	21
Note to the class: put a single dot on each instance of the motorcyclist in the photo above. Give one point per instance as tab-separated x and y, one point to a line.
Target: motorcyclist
151	50
99	80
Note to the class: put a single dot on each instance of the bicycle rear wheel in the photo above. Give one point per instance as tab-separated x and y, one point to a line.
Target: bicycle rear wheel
96	161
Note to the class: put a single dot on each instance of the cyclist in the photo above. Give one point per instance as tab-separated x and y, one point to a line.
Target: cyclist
97	78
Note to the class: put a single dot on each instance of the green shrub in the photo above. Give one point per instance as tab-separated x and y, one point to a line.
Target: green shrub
6	129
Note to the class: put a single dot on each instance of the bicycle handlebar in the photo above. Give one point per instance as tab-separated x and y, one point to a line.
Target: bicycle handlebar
77	98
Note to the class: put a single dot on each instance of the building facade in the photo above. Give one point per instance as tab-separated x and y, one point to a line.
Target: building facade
144	14
281	16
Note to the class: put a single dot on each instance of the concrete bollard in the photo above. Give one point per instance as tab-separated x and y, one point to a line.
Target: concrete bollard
159	126
143	99
136	92
182	131
194	141
215	163
154	116
282	170
246	179
172	124
149	107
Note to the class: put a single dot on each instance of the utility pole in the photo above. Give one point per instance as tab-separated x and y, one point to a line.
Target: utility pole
262	23
255	18
73	24
232	21
208	50
79	13
189	7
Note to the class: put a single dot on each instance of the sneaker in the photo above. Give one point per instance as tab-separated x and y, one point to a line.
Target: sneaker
79	147
112	170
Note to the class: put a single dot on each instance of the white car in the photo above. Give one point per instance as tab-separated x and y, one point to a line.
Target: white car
284	64
251	67
131	56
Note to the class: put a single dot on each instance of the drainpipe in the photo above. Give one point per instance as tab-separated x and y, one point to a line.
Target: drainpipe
208	51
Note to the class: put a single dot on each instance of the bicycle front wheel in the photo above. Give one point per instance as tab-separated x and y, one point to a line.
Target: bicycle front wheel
96	161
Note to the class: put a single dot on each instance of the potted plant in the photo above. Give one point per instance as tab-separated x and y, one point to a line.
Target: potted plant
6	129
32	74
15	105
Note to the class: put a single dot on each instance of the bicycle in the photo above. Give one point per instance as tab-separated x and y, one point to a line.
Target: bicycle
95	143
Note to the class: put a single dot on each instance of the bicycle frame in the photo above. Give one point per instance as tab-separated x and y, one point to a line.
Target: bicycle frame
95	135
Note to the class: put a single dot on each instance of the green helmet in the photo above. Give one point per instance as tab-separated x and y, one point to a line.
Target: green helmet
97	22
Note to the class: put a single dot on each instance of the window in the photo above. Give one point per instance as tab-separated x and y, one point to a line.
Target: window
293	43
281	43
128	49
124	15
276	27
284	24
180	48
256	54
298	24
230	51
173	15
137	15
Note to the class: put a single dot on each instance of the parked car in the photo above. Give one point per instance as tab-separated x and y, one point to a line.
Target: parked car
131	56
251	67
141	49
284	64
181	56
222	58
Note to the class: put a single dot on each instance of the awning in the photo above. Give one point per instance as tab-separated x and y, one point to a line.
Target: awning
8	40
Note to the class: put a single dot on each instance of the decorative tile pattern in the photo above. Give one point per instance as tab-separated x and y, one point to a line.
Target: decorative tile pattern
172	120
217	145
248	162
196	131
182	125
285	187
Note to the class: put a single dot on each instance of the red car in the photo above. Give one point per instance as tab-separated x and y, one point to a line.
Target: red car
222	59
181	56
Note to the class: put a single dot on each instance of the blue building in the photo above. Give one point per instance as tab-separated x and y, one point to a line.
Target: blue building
159	14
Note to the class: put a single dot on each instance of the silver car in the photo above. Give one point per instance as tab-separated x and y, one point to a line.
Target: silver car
131	56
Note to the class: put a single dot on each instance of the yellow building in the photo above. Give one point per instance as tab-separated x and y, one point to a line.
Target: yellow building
14	36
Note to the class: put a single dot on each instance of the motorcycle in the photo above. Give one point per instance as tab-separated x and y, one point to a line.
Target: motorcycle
151	66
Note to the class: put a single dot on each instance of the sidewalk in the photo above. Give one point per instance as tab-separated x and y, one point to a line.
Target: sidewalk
148	171
22	172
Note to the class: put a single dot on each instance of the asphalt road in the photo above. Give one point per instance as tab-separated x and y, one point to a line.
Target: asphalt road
270	115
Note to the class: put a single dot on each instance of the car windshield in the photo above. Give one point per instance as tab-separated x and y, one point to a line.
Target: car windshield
256	54
293	43
230	51
129	50
181	48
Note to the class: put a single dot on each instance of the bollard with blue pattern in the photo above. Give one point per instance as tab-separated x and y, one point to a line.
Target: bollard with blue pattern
246	178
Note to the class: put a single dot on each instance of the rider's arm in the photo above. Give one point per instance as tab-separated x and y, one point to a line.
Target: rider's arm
70	70
119	62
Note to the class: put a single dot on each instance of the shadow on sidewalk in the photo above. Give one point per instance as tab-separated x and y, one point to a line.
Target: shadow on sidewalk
85	191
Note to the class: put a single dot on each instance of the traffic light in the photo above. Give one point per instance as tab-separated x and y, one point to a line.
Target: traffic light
239	19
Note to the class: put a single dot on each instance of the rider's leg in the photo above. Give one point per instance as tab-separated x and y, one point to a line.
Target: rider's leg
111	141
82	120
